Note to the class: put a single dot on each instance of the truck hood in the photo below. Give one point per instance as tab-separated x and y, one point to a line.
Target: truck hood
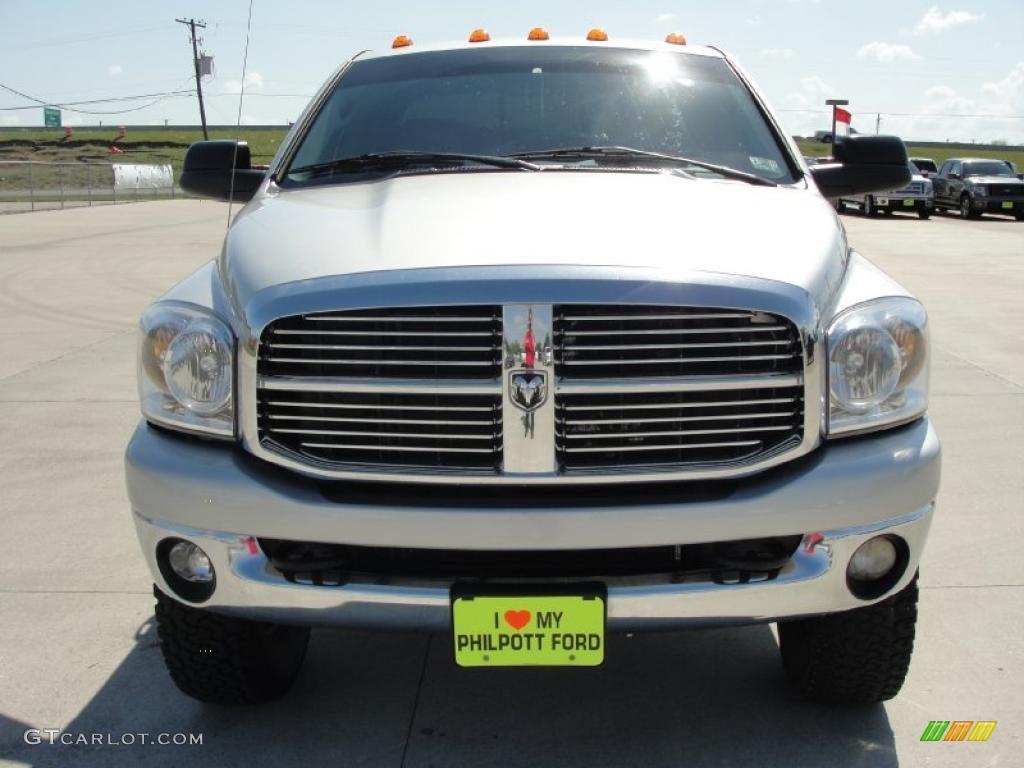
665	221
1011	180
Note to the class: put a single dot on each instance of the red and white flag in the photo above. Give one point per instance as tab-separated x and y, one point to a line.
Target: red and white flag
843	120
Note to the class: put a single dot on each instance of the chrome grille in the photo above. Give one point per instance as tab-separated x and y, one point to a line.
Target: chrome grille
446	431
913	188
675	428
419	342
633	392
611	341
1006	190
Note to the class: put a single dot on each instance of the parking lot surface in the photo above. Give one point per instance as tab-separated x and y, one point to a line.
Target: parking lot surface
78	650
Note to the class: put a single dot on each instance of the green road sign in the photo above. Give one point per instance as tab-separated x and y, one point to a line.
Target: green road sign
51	117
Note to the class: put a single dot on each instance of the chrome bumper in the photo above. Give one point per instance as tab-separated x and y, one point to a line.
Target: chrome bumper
847	490
814	582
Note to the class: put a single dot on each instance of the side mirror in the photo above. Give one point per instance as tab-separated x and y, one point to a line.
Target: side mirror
220	170
863	164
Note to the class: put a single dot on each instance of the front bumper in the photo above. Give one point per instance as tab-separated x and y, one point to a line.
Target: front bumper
848	490
908	203
1005	206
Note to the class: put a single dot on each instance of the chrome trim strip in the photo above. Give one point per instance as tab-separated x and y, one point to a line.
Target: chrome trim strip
699	345
667	405
370	406
380	386
670	419
392	420
406	448
679	316
672	447
367	361
286	332
393	319
679	384
677	331
648	360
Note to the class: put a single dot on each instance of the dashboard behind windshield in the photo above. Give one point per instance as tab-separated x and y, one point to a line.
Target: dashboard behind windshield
504	101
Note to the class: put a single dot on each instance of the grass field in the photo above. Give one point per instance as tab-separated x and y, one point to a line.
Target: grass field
163	146
138	146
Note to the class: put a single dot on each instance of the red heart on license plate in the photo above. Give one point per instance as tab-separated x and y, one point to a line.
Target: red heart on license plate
517	619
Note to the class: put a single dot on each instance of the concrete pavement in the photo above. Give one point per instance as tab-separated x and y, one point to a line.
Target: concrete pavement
78	650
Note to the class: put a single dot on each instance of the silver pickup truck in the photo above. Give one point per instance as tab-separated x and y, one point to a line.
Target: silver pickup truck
526	343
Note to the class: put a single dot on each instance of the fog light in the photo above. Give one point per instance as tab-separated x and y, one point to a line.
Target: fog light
190	563
873	559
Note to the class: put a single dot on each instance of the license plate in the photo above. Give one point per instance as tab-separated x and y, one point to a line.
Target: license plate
908	203
520	629
1008	204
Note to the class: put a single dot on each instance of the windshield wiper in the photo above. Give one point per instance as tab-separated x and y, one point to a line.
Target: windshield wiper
398	159
631	152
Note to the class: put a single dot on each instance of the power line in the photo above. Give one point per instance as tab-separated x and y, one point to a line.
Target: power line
69	104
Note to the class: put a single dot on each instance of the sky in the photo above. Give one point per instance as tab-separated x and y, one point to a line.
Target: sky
934	71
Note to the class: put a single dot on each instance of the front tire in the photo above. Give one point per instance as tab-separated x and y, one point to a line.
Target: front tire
854	657
966	212
224	660
869	206
924	214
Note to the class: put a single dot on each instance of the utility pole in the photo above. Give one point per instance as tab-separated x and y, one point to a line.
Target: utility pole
192	24
878	122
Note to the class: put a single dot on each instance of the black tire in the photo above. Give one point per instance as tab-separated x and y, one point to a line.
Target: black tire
869	207
1019	215
224	660
924	215
854	657
840	205
966	212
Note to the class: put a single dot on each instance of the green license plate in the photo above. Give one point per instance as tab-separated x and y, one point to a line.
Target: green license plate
529	630
908	203
1008	204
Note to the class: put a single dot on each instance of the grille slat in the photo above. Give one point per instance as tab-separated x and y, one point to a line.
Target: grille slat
667	388
393	388
597	341
415	343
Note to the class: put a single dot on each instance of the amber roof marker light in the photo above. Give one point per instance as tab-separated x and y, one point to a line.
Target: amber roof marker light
597	35
676	38
538	33
402	41
479	36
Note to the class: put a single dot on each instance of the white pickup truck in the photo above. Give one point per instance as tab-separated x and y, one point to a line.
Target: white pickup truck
527	342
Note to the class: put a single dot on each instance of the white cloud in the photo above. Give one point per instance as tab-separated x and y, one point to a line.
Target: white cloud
935	21
253	82
778	53
115	70
753	20
663	17
812	93
1008	93
886	52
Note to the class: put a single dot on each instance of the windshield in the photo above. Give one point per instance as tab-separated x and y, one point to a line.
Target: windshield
988	168
926	166
504	101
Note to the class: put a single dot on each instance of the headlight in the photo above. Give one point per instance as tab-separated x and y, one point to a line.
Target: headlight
878	365
186	369
928	188
979	190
